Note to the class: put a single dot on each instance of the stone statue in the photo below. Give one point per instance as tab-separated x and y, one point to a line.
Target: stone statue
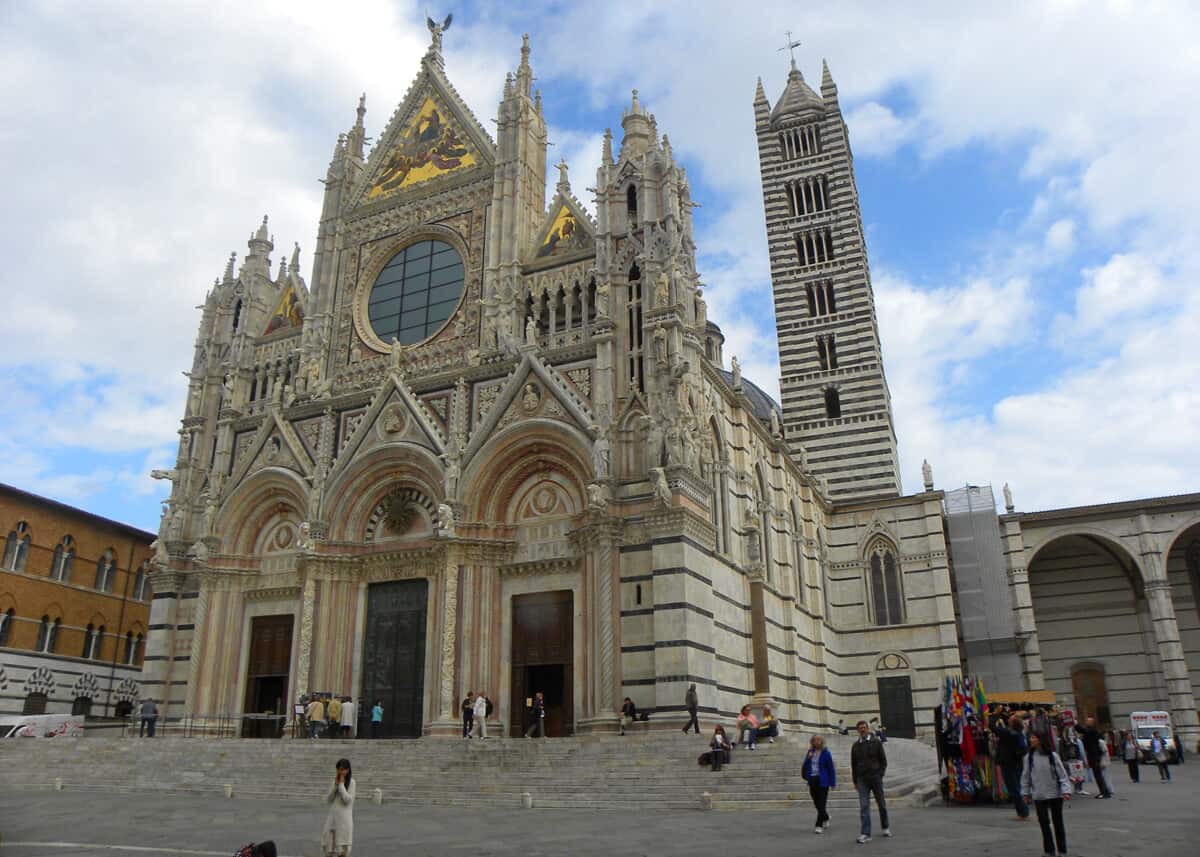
776	426
436	31
601	453
706	458
169	475
395	354
690	453
753	545
304	540
597	496
531	331
194	401
312	376
660	344
662	488
662	290
736	369
227	391
210	513
927	474
531	397
602	300
445	520
453	470
1008	500
175	528
199	552
161	557
487	337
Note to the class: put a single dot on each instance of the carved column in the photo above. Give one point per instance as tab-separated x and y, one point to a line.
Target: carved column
304	651
598	540
447	723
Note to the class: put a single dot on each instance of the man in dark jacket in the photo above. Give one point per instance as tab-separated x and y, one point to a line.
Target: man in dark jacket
868	764
691	701
1093	746
1010	754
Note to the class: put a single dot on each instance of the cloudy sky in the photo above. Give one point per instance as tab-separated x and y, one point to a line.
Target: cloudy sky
1026	172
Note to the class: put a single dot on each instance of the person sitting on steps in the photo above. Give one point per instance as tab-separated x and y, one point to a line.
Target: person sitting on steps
721	749
768	727
747	724
628	714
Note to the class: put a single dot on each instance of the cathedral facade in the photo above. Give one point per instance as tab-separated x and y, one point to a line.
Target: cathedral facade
494	445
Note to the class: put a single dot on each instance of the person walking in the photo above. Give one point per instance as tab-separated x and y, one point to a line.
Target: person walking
1133	756
1010	753
1158	749
480	718
376	718
315	715
868	764
349	710
537	716
1044	781
819	772
468	713
691	702
149	716
333	717
337	836
1093	749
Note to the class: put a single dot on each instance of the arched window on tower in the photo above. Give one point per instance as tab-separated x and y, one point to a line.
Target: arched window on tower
833	403
634	304
631	206
237	316
883	585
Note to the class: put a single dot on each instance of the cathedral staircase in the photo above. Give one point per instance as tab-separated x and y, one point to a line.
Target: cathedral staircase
637	772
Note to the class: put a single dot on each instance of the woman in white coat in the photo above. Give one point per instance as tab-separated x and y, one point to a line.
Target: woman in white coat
338	834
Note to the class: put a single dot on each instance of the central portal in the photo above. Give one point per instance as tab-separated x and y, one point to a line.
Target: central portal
394	657
542	652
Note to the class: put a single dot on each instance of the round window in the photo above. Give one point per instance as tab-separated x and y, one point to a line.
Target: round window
416	292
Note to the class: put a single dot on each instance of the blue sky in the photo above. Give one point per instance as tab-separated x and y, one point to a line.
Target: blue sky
1025	175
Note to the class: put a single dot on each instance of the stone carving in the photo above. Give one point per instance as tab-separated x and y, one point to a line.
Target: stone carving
602	300
662	488
753	544
210	513
128	691
1008	499
273	449
776	426
582	379
41	680
485	397
86	685
394	420
601	453
199	552
736	369
445	520
662	290
161	557
453	471
169	475
449	639
436	30
660	344
531	331
304	541
927	474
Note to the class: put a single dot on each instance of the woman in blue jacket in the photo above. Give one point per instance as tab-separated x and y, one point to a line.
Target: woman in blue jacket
821	776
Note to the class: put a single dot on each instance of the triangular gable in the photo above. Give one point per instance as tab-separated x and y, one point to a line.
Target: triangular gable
292	453
432	134
567	230
289	312
418	419
562	402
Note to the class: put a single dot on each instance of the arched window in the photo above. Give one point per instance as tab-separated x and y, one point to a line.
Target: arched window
798	553
43	634
631	207
16	547
237	316
64	557
35	703
887	601
139	647
141	582
105	571
833	403
128	659
719	516
764	524
89	640
82	706
638	594
6	623
1191	559
633	303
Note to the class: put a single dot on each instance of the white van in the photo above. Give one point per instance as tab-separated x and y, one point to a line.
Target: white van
1144	724
41	726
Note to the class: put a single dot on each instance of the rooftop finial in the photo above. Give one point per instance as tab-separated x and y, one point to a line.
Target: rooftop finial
296	259
563	183
436	30
790	47
362	107
636	108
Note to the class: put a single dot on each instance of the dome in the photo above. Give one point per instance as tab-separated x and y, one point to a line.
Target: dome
760	403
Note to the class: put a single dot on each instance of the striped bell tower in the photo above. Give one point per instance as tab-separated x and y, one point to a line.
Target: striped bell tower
836	403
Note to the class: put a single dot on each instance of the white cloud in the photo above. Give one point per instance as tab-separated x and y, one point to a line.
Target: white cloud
1060	237
876	130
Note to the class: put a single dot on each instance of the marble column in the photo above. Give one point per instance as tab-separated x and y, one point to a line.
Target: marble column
1025	627
447	723
304	650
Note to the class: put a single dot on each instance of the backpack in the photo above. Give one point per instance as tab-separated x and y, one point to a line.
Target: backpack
490	708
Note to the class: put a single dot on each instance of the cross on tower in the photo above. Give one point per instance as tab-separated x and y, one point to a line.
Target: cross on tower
791	46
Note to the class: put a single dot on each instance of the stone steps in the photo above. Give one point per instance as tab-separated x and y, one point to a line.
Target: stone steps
594	772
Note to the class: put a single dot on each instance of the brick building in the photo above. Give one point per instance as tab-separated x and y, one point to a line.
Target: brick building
74	608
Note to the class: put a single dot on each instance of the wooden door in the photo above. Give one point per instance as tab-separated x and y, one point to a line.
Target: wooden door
268	669
896	706
542	653
394	655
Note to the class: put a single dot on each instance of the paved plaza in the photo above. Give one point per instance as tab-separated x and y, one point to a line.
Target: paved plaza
1142	820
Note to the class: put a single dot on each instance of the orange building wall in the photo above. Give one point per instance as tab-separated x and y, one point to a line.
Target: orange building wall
32	594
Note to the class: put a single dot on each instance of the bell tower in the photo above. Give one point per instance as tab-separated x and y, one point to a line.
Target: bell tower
836	403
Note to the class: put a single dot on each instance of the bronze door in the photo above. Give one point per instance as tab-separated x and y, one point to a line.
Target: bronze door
896	706
267	673
394	656
542	651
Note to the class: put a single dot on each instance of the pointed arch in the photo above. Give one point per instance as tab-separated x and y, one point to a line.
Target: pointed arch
885	596
355	494
272	496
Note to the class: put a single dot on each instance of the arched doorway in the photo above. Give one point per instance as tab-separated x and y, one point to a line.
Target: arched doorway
1098	648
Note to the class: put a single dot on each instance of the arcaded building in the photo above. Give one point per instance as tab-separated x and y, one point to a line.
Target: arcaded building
490	444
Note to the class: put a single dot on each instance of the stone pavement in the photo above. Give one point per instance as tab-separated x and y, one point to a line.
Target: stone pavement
1146	820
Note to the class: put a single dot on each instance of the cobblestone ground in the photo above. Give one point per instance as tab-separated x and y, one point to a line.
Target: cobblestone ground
1146	819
